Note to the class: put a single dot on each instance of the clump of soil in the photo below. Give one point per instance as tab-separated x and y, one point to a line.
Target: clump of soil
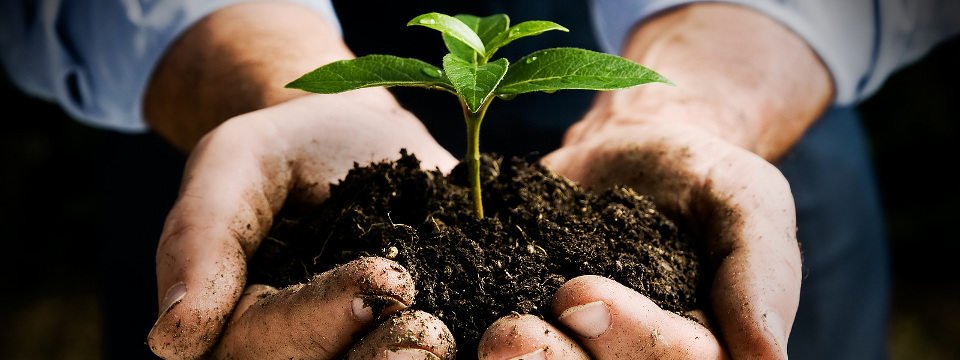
539	231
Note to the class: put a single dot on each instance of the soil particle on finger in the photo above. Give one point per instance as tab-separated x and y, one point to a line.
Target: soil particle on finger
540	230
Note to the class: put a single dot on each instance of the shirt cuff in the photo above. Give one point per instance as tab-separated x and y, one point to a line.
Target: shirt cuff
95	58
841	33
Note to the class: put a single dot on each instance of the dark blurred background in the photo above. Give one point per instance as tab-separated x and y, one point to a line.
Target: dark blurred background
914	125
68	189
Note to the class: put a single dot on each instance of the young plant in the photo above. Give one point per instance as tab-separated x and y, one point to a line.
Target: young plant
469	73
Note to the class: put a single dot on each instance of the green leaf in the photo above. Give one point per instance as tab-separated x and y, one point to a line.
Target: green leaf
370	71
486	28
489	27
571	68
474	83
451	26
524	29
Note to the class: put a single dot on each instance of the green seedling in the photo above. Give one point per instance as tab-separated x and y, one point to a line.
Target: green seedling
469	73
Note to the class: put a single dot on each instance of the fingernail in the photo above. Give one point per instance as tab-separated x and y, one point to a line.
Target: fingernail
361	311
409	354
174	295
368	307
590	320
536	355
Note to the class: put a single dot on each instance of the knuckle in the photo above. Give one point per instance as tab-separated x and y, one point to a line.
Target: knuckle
378	276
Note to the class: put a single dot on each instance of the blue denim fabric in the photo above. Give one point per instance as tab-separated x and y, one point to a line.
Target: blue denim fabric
844	296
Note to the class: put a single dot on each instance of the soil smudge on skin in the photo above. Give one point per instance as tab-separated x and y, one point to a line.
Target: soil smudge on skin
540	230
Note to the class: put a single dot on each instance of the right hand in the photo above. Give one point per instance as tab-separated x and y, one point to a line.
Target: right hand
747	89
735	203
237	178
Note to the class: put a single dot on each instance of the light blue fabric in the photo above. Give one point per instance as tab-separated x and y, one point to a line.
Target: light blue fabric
860	41
94	57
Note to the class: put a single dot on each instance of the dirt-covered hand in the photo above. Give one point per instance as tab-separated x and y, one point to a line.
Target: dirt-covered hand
747	88
237	178
735	202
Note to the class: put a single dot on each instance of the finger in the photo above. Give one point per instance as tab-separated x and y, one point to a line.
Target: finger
320	319
755	313
409	335
527	337
612	321
250	296
752	231
225	206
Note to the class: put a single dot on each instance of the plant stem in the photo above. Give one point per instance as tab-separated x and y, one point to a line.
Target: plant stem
473	120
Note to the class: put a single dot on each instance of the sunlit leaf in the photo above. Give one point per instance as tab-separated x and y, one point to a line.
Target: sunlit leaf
571	68
451	26
474	83
524	29
370	71
486	28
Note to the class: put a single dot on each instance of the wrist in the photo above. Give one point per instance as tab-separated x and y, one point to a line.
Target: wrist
234	61
740	75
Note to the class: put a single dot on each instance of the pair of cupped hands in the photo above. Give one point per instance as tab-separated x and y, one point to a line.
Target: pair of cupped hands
242	172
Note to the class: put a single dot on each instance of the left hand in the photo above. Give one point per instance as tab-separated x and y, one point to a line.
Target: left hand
236	180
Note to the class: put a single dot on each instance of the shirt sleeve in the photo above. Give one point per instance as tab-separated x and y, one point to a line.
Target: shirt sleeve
861	42
95	57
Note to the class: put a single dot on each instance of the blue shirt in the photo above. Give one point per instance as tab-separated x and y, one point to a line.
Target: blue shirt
860	41
94	58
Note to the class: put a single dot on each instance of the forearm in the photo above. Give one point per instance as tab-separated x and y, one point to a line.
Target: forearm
234	61
740	75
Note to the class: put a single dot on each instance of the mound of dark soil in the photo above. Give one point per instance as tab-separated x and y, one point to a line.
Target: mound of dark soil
540	230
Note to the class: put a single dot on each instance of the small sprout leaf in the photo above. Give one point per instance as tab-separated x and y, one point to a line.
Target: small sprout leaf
571	68
486	28
474	83
524	29
371	71
461	50
451	26
489	27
